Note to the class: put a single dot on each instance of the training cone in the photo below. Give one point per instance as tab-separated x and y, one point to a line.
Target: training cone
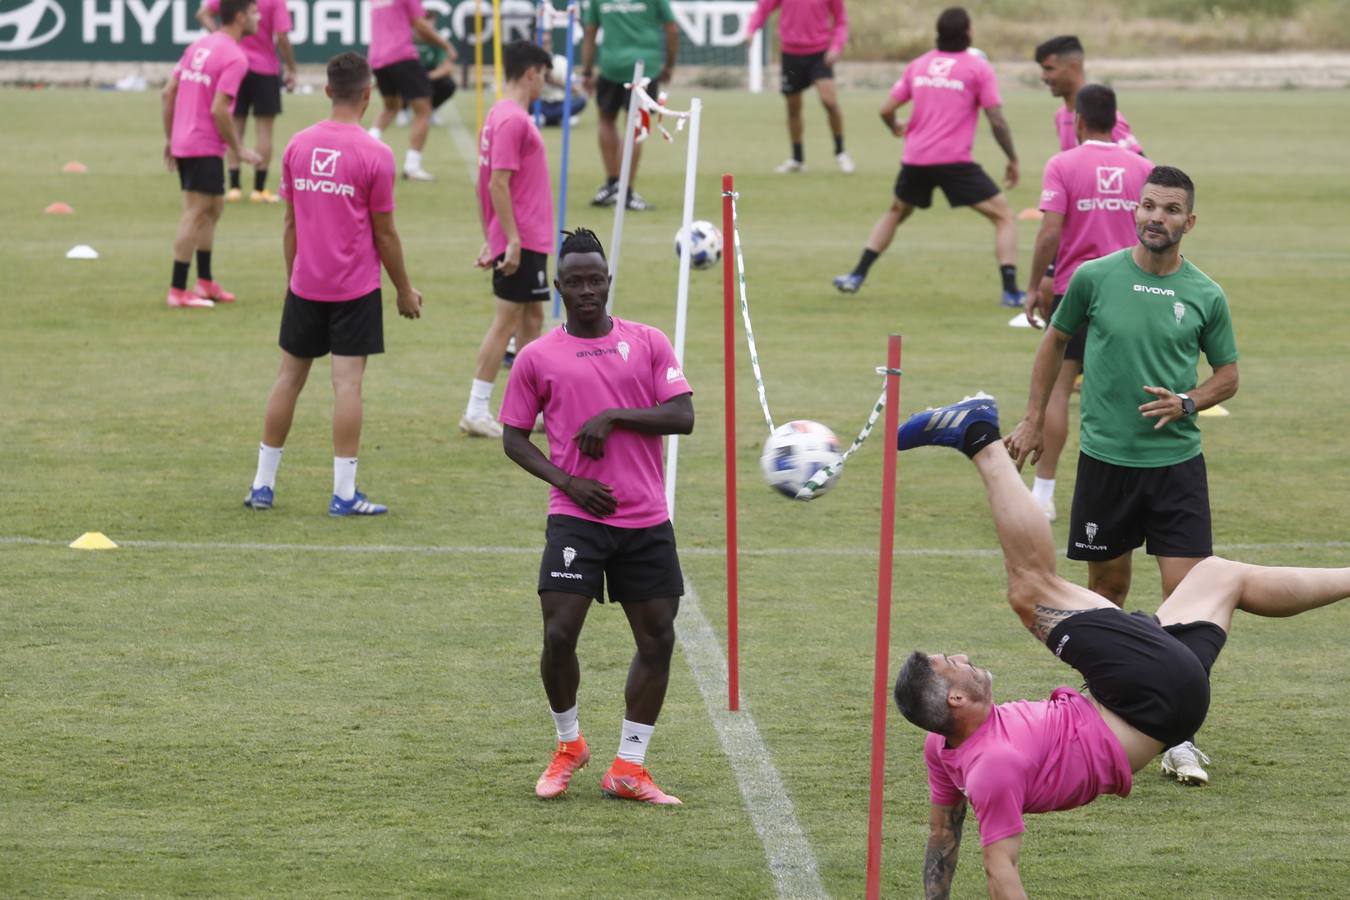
92	540
59	209
1020	321
1215	411
81	251
1031	214
75	168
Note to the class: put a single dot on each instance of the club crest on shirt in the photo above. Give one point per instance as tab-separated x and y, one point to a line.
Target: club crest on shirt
623	349
1179	310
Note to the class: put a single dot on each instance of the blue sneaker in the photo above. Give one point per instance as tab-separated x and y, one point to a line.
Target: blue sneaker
946	426
259	498
357	506
848	284
1014	299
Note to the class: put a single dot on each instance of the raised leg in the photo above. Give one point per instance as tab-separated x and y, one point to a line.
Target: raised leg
1215	587
883	232
997	210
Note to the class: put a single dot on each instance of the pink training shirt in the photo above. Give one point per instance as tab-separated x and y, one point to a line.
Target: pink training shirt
948	90
571	379
1029	757
391	35
334	176
1068	137
510	142
212	65
260	48
1096	186
805	26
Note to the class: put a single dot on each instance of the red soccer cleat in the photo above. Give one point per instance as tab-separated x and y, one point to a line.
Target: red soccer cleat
212	290
569	757
179	298
629	781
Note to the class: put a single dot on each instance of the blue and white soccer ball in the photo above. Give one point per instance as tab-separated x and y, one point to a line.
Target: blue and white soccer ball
705	244
795	452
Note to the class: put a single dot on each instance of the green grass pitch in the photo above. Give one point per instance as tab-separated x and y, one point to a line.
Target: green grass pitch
237	707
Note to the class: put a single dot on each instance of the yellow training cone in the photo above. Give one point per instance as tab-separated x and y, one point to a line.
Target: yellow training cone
1215	410
93	540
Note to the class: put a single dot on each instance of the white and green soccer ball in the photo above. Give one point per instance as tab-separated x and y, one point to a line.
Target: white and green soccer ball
795	453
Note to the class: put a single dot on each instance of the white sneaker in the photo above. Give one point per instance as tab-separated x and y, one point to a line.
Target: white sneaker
845	163
437	120
1183	762
417	173
403	118
790	167
480	426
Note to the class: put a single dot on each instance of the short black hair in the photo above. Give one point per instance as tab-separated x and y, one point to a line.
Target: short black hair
348	77
1061	45
579	240
1096	106
1172	177
518	57
953	30
921	695
233	9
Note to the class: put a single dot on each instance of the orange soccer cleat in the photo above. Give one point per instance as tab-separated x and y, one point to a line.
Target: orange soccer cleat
180	299
567	759
212	290
629	781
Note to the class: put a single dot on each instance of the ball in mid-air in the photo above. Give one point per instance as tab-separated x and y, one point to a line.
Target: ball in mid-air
705	244
797	451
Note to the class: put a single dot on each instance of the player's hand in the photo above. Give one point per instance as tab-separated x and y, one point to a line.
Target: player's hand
510	259
169	162
484	260
832	57
1010	175
249	156
593	433
451	52
410	304
588	84
592	496
898	128
290	81
1025	443
1166	409
1035	307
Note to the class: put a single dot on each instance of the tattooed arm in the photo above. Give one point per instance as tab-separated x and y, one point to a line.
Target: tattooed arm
944	842
1046	618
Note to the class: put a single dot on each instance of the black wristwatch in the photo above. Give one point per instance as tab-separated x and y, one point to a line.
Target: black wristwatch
1187	405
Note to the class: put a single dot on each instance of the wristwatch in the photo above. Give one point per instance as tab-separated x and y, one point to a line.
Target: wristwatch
1187	405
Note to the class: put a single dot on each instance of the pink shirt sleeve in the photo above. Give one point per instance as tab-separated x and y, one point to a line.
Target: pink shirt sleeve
520	403
995	789
900	91
763	9
382	187
667	377
231	76
1053	197
840	37
284	189
508	143
281	19
415	10
989	96
940	788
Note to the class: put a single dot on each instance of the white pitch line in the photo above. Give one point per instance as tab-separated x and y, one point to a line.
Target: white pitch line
791	860
463	141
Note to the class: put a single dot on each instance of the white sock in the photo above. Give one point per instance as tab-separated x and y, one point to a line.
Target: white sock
374	132
566	723
268	460
1043	489
413	160
479	395
344	477
633	744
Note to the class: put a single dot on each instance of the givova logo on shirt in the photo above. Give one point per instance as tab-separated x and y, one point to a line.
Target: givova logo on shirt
322	169
939	75
1110	180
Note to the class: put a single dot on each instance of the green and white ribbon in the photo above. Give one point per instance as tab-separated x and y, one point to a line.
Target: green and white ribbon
745	312
822	477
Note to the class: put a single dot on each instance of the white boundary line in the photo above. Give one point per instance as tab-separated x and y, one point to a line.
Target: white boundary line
463	141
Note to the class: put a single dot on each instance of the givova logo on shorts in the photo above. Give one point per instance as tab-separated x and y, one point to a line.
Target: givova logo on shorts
34	23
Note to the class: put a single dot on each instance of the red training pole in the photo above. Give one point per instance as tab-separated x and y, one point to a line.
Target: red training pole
729	368
881	671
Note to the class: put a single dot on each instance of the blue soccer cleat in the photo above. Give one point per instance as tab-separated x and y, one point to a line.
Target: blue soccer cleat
259	498
357	506
1013	299
946	426
848	284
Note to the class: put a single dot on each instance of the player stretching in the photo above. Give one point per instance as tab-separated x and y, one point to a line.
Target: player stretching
949	87
1061	62
1147	676
1088	197
338	184
198	130
516	206
608	389
812	34
399	72
260	90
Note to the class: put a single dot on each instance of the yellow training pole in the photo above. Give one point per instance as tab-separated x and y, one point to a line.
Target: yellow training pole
497	46
478	62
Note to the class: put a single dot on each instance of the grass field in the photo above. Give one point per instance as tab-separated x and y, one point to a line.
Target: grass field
284	704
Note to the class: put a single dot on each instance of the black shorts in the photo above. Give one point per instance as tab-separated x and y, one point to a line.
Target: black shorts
312	328
611	97
580	556
259	94
405	78
202	174
528	283
1117	508
965	184
801	70
1156	677
1078	340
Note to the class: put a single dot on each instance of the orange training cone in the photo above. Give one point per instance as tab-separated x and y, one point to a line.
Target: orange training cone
74	168
59	209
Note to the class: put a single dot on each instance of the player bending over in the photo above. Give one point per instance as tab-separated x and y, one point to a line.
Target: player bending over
1147	676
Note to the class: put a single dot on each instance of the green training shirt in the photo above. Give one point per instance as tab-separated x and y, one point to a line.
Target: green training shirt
1142	329
634	29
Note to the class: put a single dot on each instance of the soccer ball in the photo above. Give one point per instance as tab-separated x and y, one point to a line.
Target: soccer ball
705	244
795	452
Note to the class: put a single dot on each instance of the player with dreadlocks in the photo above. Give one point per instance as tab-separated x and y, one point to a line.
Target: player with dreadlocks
608	390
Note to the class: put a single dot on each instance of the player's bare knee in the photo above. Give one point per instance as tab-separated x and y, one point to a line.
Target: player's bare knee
560	642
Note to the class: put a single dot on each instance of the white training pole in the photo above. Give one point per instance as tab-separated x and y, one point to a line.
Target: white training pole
756	62
625	173
682	294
